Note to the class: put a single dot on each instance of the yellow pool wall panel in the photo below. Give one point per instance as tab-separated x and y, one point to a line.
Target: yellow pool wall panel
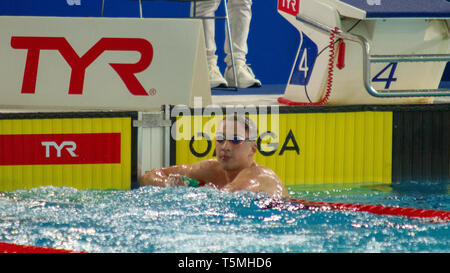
312	148
80	176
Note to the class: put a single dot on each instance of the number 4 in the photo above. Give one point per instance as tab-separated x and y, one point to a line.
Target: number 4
303	65
390	78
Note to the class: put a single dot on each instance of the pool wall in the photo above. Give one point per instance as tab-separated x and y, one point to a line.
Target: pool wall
377	144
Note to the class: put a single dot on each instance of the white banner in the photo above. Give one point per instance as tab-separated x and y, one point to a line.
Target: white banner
101	63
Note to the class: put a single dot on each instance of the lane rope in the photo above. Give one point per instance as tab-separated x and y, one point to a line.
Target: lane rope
15	248
435	216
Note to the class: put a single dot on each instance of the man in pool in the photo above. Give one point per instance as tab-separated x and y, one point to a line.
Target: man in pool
233	170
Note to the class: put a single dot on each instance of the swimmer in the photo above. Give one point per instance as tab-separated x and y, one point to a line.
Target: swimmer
233	169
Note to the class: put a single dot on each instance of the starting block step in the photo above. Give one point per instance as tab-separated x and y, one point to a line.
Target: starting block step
402	8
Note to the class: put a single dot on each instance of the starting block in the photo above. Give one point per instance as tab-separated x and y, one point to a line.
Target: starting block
367	51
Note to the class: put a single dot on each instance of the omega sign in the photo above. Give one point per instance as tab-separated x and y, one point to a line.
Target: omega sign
78	64
289	144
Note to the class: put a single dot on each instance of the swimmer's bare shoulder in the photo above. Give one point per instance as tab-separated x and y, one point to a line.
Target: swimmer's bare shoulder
272	183
258	178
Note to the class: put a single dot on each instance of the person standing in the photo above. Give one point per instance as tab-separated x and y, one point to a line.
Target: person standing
240	14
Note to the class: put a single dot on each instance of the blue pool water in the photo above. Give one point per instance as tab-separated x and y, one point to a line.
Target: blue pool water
152	219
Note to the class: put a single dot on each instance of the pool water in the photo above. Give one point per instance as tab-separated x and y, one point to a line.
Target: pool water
152	219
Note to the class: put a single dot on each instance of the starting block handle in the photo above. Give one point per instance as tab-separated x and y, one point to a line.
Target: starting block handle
410	58
368	58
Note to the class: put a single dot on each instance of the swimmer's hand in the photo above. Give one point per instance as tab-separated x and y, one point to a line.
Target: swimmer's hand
175	180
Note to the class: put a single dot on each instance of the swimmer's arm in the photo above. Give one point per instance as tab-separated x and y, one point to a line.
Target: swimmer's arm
160	177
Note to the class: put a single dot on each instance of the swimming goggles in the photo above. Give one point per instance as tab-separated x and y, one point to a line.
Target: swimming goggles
220	138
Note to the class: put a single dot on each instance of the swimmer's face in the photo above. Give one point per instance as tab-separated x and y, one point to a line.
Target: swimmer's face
233	149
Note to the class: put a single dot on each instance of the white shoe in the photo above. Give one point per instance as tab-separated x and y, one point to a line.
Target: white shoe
215	77
244	74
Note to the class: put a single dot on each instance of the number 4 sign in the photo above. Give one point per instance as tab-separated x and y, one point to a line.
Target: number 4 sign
305	62
390	78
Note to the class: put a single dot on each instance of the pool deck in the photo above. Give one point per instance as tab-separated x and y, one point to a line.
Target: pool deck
266	95
222	100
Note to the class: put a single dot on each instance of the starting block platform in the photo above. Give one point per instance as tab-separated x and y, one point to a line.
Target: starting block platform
367	52
401	8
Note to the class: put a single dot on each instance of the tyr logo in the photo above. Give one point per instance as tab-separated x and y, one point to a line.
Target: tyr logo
126	72
70	148
289	6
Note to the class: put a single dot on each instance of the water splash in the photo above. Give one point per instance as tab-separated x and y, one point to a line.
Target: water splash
152	219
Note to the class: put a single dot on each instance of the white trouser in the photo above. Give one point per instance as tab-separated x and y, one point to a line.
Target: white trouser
240	14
